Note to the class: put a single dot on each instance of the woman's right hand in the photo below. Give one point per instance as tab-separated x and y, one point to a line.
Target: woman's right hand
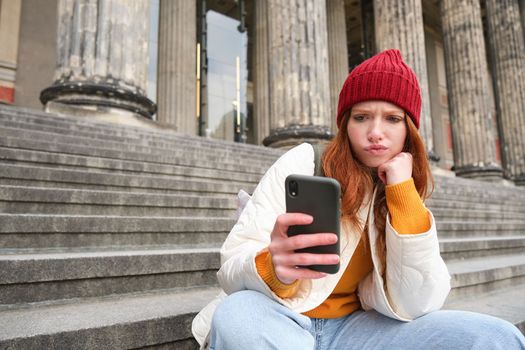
282	248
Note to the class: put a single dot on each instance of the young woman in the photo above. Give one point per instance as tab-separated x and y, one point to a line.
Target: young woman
392	278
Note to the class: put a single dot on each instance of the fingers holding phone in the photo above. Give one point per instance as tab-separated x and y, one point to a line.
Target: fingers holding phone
305	240
289	263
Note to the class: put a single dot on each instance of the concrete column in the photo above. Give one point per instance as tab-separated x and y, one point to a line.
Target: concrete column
399	25
473	134
102	57
176	89
337	53
262	91
508	56
299	72
522	15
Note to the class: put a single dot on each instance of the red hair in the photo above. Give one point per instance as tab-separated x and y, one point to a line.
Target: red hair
358	180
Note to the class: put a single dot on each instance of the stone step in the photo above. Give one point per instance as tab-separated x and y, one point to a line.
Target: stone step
506	303
472	185
44	176
121	322
25	200
139	320
29	116
453	186
28	223
164	174
73	273
492	196
37	275
175	142
441	214
57	127
464	204
110	130
91	163
52	145
496	200
464	248
180	151
11	174
485	274
471	229
455	190
51	177
132	321
48	231
38	117
80	265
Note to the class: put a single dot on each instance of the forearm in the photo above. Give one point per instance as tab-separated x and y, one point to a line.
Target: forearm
266	270
408	214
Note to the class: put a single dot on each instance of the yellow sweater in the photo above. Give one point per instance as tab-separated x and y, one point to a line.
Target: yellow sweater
408	216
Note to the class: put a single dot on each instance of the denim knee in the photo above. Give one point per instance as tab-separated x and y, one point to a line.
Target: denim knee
500	334
478	331
251	320
237	308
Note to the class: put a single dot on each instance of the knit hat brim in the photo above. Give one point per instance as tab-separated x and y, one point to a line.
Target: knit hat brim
383	77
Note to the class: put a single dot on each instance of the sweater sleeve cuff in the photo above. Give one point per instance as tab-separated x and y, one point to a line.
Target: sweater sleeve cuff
265	268
407	211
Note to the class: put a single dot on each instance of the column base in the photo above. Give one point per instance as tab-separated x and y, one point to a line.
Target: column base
441	172
99	94
520	180
483	173
104	114
432	156
295	134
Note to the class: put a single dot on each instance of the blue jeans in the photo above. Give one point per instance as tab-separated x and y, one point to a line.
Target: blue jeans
250	320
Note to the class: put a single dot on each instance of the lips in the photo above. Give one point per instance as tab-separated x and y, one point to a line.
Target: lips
375	148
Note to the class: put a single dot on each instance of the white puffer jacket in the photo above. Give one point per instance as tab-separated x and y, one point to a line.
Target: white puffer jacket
417	279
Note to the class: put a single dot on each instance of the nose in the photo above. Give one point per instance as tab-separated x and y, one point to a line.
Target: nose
375	133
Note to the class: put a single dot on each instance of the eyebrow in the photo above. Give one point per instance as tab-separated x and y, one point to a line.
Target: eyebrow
392	111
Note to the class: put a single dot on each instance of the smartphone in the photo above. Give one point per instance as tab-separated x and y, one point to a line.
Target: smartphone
319	197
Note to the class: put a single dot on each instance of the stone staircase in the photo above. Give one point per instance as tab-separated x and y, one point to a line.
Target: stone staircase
481	228
109	235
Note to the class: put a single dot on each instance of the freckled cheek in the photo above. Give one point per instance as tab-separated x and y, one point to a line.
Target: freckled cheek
397	137
356	136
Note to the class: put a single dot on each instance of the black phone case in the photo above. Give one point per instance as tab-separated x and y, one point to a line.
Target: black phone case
320	198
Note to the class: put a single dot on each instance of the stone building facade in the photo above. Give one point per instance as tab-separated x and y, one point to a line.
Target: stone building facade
269	71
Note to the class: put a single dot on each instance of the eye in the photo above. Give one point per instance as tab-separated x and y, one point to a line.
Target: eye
359	117
394	118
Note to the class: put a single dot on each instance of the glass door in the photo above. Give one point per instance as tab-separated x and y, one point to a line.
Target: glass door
226	51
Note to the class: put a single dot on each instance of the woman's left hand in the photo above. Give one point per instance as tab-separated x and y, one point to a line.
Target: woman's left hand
396	170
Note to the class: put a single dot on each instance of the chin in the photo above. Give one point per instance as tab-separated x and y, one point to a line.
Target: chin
374	163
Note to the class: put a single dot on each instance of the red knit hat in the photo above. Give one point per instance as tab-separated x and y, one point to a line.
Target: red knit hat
382	77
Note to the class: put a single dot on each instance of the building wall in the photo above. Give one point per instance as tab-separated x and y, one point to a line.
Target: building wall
9	27
36	61
36	52
439	100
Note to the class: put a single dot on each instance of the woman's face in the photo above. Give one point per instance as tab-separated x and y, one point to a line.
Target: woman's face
377	131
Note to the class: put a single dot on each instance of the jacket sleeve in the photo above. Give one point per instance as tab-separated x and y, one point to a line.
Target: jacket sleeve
251	234
417	279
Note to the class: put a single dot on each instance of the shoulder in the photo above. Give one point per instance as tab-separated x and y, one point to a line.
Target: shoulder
297	160
304	151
